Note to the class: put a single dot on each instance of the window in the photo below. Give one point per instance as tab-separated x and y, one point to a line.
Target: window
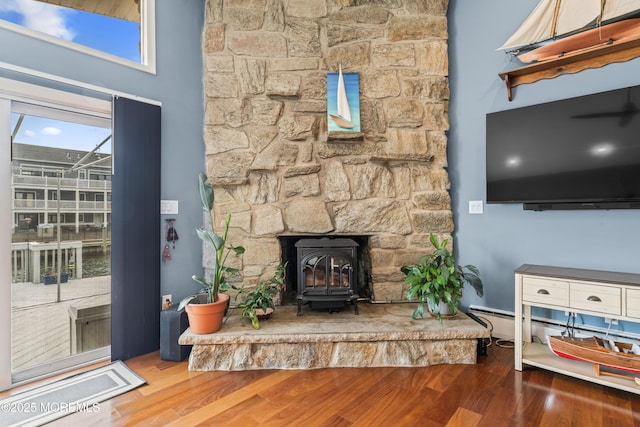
30	172
25	195
121	31
100	175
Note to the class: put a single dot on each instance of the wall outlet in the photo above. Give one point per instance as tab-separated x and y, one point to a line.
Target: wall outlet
609	321
168	207
167	299
475	206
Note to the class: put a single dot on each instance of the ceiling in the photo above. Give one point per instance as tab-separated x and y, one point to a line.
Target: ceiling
128	10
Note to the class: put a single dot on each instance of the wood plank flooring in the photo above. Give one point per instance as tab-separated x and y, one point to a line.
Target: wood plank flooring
490	393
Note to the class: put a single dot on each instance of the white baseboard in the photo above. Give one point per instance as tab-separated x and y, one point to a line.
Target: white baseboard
503	327
501	324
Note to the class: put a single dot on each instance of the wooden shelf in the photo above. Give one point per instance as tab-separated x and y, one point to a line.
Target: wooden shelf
595	57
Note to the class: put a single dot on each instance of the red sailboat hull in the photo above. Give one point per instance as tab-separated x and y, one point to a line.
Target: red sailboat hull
592	350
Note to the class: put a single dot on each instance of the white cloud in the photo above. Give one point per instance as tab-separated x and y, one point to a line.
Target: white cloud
43	17
29	133
50	130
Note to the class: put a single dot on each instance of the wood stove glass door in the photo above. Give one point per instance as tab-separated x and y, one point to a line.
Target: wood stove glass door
326	274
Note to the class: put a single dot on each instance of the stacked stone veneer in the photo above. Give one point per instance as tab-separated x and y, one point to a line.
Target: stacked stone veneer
274	166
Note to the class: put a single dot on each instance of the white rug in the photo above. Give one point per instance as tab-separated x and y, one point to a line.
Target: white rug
78	393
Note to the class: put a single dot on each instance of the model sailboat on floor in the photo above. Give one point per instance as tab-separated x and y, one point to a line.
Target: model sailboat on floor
560	27
343	118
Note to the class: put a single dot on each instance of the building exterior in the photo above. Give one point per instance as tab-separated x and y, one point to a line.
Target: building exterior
42	176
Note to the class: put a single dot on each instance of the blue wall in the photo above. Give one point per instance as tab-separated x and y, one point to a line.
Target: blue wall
505	236
178	85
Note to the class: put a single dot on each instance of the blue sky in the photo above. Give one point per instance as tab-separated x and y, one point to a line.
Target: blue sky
114	36
60	134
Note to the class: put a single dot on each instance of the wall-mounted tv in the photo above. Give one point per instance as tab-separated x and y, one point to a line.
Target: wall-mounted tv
577	153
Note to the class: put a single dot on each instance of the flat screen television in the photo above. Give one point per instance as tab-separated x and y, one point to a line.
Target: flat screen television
577	153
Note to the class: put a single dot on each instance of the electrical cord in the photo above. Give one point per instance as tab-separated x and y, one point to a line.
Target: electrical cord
500	342
606	336
570	327
488	322
505	343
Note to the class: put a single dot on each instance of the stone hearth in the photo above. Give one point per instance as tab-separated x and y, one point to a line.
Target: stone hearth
381	335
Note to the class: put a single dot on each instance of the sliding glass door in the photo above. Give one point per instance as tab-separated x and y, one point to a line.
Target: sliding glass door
59	232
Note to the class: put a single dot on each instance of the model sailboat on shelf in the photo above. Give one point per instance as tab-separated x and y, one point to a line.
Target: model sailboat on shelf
343	118
599	352
559	27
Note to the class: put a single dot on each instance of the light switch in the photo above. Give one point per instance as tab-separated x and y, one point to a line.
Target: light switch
475	206
168	207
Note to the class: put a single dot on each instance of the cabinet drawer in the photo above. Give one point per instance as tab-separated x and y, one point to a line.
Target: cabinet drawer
633	303
545	291
600	299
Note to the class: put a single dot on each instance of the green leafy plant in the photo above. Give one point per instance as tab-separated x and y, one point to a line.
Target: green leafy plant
218	282
437	278
280	275
261	298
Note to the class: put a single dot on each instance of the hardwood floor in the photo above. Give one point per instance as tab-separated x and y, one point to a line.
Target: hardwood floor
490	393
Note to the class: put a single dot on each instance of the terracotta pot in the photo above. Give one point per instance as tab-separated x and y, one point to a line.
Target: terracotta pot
207	318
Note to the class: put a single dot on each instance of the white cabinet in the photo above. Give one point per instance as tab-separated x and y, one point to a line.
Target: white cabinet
597	293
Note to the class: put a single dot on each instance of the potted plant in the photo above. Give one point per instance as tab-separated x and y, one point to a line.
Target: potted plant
205	311
259	303
438	281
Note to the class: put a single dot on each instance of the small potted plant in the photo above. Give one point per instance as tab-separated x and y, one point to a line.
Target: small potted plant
259	304
206	311
438	281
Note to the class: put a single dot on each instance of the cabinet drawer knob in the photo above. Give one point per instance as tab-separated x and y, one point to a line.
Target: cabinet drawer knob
543	292
594	298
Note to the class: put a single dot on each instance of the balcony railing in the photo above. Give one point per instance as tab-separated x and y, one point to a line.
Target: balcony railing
49	182
65	205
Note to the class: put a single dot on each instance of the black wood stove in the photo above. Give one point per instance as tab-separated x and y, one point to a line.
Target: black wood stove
327	273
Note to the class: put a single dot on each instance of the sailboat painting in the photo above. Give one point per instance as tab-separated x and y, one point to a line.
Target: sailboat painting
343	102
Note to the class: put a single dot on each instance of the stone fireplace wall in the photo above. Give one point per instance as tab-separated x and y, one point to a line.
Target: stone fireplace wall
274	166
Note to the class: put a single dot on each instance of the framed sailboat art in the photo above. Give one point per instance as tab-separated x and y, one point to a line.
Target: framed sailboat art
343	102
